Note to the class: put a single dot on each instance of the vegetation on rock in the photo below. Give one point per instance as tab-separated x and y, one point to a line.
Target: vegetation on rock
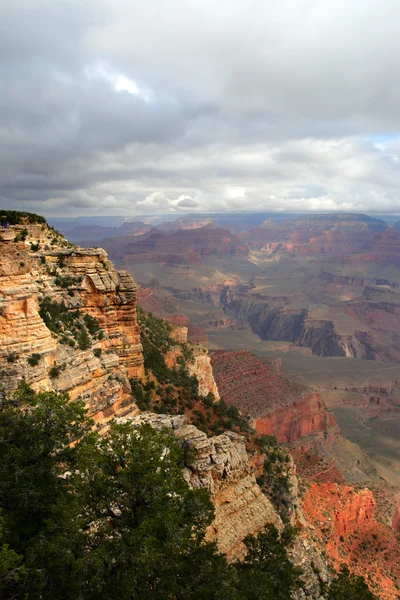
16	217
112	517
173	390
347	586
69	324
275	479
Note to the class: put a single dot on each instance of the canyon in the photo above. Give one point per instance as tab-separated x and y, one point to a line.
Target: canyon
289	411
247	295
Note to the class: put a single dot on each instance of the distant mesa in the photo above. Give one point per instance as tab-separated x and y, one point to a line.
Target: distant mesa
315	234
184	246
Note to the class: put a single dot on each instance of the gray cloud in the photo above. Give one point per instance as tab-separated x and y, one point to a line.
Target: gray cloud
121	107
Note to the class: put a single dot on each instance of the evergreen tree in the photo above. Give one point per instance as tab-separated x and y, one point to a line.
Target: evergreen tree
347	586
266	571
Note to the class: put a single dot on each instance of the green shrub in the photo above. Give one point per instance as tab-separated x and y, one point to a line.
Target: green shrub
92	324
21	236
17	217
55	370
66	281
83	340
68	324
97	352
34	359
12	357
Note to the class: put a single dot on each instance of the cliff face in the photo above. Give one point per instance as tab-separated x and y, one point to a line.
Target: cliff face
343	519
202	370
377	338
306	418
200	367
85	282
384	248
289	411
221	465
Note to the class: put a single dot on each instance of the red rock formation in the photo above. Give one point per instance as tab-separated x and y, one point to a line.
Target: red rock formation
315	235
180	247
195	333
302	418
396	517
343	519
289	411
384	248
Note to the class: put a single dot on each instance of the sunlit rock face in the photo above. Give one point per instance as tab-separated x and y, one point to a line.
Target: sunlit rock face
346	523
83	280
221	465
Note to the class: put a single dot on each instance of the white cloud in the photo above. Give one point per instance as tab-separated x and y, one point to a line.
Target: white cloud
128	107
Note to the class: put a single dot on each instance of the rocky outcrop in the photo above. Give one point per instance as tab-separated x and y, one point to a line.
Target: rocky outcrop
383	249
83	280
289	411
272	321
305	421
199	366
343	520
201	369
221	465
21	328
396	517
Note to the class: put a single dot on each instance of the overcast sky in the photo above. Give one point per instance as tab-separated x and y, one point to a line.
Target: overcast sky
134	106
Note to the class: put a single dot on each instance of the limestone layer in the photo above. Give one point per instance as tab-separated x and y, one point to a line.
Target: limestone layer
221	465
84	280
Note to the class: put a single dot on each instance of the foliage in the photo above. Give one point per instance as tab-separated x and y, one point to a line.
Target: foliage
347	586
15	217
10	564
178	391
34	359
92	324
66	281
12	357
266	571
112	517
60	258
69	324
21	236
35	247
83	340
156	342
101	518
275	479
55	370
97	352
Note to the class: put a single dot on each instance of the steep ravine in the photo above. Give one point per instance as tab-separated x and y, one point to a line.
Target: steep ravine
272	322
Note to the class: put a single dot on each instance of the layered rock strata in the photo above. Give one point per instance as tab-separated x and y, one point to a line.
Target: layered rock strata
221	465
83	280
289	411
343	519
